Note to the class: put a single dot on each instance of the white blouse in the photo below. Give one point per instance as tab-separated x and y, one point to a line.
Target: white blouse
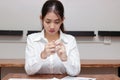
52	64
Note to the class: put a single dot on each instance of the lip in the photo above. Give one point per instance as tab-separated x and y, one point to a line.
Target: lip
52	30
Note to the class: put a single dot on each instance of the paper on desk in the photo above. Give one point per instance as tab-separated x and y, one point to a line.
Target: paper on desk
77	78
33	79
65	78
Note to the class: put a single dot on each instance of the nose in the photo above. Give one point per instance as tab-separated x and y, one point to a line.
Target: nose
52	25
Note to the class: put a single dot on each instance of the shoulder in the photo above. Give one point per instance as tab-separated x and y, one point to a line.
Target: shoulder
69	37
34	36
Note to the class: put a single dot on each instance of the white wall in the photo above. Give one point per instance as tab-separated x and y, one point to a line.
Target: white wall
79	15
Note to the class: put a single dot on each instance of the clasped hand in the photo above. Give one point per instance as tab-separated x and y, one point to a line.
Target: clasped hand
55	47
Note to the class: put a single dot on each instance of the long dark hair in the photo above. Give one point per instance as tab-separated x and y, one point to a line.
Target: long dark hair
58	9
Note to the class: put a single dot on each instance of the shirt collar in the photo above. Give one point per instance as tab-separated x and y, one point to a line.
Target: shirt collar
63	37
41	37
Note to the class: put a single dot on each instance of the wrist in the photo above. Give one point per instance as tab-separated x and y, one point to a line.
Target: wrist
63	58
43	55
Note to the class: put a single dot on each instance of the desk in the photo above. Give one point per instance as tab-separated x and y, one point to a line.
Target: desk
84	63
23	75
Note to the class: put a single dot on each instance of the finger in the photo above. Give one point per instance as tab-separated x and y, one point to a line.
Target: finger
58	48
61	45
51	45
60	52
57	42
52	42
62	49
52	50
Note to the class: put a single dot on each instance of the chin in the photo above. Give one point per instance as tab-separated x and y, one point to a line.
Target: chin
52	33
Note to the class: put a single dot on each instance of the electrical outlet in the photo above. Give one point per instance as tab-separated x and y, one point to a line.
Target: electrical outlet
107	40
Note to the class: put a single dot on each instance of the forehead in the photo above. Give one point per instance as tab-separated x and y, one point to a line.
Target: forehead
52	16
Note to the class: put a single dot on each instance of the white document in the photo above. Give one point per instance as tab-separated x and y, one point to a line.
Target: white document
65	78
33	79
77	78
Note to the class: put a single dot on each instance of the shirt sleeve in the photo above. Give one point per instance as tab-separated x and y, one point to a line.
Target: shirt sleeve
72	64
33	62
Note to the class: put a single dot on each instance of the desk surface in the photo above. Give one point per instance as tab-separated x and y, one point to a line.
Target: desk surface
84	63
23	75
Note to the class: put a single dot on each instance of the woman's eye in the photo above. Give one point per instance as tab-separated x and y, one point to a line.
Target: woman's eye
47	22
57	22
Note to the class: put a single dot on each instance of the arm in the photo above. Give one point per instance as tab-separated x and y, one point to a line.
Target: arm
36	55
33	62
72	64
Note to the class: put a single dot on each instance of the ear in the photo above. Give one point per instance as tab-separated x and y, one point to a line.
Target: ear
40	17
63	19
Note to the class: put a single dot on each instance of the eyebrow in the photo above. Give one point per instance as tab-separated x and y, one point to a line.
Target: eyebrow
57	20
54	20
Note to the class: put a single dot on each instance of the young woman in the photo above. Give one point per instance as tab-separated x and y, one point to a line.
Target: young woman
51	51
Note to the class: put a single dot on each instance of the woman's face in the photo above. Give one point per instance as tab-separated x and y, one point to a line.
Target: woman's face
52	23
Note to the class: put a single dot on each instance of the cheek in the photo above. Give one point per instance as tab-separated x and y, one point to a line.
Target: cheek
45	25
57	27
